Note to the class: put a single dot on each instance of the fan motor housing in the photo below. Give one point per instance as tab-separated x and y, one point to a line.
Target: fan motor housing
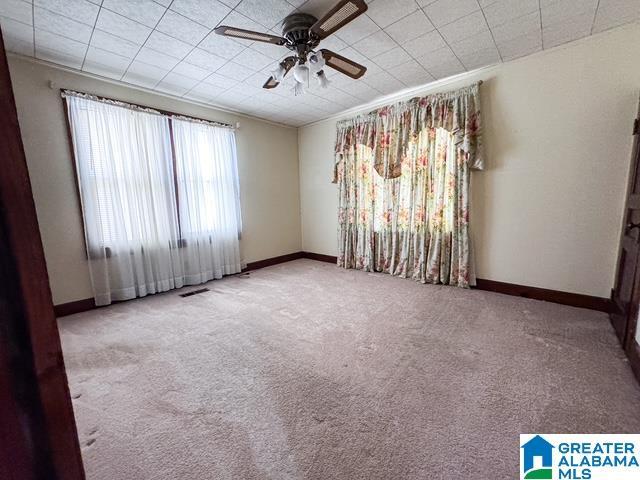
295	29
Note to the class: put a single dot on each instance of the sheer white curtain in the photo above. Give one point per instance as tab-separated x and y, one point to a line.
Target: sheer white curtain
208	199
132	218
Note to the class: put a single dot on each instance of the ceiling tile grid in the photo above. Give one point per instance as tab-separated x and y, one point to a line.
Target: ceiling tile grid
169	45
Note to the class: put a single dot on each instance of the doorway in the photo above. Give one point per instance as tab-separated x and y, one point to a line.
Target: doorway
626	293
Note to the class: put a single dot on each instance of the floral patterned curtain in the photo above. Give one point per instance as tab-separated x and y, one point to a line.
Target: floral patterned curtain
403	176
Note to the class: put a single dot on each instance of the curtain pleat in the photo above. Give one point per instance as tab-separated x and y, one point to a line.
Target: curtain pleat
403	174
133	225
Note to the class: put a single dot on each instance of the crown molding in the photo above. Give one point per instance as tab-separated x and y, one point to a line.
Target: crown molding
473	75
423	89
93	76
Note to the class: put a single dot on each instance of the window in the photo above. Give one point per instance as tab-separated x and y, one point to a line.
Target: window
159	196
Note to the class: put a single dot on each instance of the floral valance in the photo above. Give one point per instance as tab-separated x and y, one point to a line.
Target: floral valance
389	130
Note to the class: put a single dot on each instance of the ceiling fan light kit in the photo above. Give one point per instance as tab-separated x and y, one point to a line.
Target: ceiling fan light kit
302	33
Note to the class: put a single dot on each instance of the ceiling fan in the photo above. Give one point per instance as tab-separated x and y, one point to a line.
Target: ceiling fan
302	33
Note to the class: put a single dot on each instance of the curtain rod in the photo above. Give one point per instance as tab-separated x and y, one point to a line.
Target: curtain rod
143	108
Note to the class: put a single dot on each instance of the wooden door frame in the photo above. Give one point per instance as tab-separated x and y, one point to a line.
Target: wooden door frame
36	414
626	334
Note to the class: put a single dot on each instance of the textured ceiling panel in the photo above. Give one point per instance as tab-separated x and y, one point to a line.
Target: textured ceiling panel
169	46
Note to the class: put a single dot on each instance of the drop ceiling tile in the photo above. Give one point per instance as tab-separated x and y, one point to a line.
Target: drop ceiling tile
111	43
464	27
360	90
205	60
475	43
177	26
356	30
385	12
410	27
258	79
107	64
268	13
612	13
375	44
567	31
221	46
79	10
433	59
61	58
18	37
155	58
61	25
235	19
144	75
558	11
219	81
192	71
443	12
164	43
274	52
16	30
176	84
17	10
426	43
393	57
58	43
447	69
480	58
504	11
337	96
169	89
103	57
245	90
122	27
318	8
205	12
520	46
252	59
18	46
231	3
384	82
333	43
146	12
204	92
517	27
235	71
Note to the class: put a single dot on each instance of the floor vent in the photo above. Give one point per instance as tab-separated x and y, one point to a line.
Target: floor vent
194	292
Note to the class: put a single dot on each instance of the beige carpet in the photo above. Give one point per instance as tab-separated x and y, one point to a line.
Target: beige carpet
308	371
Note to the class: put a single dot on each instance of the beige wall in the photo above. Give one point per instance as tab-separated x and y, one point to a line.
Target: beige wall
267	164
547	210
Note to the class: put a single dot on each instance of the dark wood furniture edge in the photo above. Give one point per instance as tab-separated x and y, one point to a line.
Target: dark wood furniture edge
35	392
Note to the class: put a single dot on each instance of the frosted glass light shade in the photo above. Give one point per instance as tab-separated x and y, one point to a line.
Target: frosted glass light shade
278	73
301	73
323	81
316	62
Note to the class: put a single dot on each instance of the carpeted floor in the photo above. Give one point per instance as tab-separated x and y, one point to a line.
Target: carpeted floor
308	371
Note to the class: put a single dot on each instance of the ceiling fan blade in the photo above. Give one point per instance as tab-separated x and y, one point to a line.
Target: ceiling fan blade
338	17
343	64
287	64
243	34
